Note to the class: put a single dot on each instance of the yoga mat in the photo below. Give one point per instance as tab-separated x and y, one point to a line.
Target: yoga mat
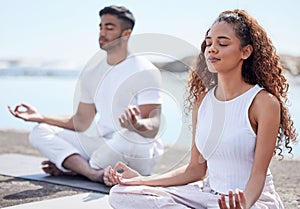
29	167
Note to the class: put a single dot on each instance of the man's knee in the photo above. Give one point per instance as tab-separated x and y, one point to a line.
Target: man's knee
39	131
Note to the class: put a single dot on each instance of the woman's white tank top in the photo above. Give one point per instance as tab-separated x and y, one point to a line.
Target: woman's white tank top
225	138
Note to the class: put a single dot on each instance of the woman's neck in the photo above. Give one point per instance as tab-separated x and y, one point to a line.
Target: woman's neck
230	88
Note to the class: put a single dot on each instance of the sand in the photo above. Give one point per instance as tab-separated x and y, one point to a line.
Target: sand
15	191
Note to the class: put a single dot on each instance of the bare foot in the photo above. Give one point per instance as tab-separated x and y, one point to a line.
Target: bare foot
50	168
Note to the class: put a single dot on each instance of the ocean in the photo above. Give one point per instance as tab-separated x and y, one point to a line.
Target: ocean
54	95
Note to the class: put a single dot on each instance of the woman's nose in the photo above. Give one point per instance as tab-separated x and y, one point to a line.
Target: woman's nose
212	48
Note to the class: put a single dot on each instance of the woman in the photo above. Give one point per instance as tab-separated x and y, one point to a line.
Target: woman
237	96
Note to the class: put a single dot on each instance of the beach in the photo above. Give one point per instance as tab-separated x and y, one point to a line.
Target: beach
60	91
14	191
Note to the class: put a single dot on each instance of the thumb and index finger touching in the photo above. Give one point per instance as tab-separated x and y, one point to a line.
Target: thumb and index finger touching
22	105
120	167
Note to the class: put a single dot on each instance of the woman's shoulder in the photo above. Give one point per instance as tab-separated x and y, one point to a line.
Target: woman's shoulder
264	100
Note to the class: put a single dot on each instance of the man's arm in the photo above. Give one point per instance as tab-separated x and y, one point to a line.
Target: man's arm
148	123
80	121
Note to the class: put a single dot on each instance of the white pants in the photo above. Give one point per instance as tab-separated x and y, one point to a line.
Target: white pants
197	195
129	147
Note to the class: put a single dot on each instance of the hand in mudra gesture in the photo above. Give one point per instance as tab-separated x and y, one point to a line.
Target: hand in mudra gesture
120	174
26	112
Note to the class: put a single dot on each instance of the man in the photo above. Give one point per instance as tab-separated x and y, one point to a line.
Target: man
120	81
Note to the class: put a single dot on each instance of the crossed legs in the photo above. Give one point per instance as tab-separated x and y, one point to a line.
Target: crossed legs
65	151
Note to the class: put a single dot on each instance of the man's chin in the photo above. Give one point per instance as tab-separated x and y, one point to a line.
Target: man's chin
106	47
103	47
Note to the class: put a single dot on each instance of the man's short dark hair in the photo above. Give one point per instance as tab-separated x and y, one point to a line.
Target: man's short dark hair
122	13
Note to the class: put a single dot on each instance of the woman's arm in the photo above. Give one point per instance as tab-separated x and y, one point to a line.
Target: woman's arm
266	113
194	171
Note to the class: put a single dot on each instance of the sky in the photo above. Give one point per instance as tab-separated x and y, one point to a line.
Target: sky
67	30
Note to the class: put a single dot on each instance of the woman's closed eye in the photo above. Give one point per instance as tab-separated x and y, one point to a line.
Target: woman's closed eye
220	44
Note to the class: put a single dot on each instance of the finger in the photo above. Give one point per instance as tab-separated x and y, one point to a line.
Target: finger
237	202
106	177
46	162
231	199
15	112
128	114
222	201
107	182
110	176
120	165
17	108
22	109
116	177
131	113
122	120
11	110
106	170
133	116
136	110
116	174
242	197
25	105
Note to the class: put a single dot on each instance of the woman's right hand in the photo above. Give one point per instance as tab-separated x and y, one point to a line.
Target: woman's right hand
121	174
26	112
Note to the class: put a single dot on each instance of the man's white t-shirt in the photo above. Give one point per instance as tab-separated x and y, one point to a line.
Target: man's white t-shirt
112	88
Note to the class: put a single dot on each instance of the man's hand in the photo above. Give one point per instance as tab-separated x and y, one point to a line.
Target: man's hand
26	112
144	120
129	120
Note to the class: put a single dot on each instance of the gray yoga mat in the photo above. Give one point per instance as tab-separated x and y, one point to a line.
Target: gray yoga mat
29	167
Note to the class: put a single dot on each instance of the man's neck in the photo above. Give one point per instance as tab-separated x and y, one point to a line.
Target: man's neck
116	56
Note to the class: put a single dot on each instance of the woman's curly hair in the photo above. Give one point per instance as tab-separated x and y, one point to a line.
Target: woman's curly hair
262	67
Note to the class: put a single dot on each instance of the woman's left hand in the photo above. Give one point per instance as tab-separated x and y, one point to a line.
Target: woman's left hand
236	201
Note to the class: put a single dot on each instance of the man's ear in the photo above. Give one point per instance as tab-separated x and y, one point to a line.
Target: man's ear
126	33
247	51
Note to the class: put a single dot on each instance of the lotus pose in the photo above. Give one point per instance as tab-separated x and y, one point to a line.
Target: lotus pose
118	81
240	120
